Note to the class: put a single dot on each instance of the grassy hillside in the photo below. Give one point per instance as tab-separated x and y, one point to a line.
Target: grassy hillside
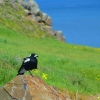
68	67
13	17
71	67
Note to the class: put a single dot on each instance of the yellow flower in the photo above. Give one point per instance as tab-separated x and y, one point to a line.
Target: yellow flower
99	98
44	76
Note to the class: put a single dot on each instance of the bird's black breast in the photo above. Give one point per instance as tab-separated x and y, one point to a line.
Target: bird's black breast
32	64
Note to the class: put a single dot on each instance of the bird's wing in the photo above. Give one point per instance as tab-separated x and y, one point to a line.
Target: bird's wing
26	60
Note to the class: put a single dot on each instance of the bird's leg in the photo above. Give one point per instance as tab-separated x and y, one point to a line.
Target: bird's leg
31	73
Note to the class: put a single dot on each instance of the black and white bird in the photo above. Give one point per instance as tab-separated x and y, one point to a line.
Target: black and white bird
29	63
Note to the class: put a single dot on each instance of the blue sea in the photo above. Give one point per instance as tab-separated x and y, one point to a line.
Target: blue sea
79	20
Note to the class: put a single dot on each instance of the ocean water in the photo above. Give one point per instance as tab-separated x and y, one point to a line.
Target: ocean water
79	20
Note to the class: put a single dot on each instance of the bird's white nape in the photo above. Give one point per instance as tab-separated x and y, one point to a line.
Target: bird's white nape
27	60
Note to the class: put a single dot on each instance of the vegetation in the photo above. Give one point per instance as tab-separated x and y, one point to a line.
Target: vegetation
66	66
13	17
71	67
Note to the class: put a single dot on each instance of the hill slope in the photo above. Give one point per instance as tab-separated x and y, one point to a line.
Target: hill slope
13	17
65	66
68	67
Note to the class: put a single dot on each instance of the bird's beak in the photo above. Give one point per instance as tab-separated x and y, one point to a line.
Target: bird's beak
36	56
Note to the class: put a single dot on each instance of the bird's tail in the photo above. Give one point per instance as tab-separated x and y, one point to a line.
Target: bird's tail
20	74
21	71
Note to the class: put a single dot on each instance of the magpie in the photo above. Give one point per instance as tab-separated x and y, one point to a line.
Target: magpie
29	63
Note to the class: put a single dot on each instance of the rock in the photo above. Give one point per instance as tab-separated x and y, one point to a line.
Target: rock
17	88
48	21
21	1
23	4
35	11
33	7
60	36
12	1
31	4
34	18
38	19
4	95
29	88
50	30
44	16
27	12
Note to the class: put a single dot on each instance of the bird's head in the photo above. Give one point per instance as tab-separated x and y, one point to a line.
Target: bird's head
33	55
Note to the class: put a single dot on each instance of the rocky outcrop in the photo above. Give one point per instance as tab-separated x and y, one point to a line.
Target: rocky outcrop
34	88
32	9
29	88
33	13
59	36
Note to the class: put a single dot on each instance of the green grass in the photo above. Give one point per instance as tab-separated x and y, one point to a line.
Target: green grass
71	67
66	66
